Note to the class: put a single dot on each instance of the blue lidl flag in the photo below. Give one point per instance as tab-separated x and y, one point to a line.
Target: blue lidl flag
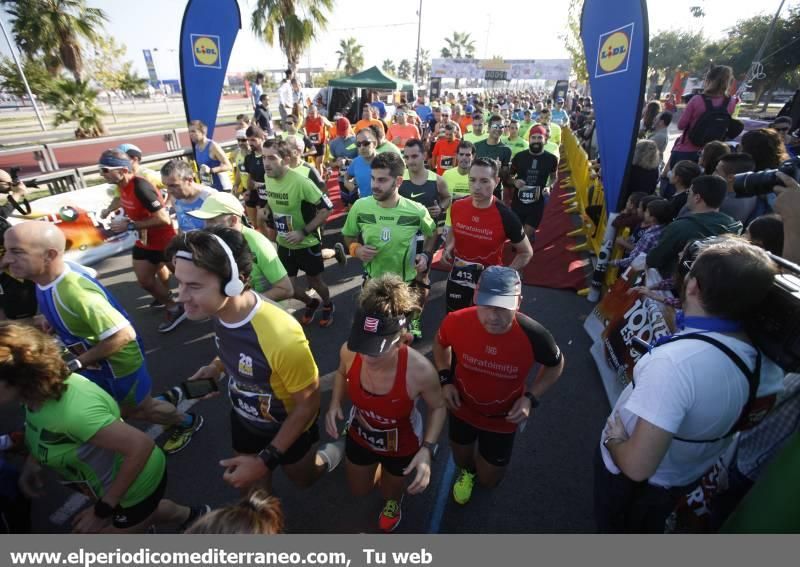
208	32
616	45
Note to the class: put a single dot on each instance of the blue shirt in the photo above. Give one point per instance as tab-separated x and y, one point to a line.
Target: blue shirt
187	222
362	171
559	116
381	108
343	147
424	112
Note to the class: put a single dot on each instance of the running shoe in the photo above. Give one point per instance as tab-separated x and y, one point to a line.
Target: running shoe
415	328
174	317
326	319
174	395
332	453
340	254
462	489
181	436
195	513
390	516
310	311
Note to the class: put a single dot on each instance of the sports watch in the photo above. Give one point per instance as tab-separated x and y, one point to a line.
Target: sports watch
432	447
532	398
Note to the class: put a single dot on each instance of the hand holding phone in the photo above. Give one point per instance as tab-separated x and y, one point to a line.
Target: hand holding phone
199	388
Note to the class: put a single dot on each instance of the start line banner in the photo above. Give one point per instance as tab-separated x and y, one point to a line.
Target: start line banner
523	69
619	319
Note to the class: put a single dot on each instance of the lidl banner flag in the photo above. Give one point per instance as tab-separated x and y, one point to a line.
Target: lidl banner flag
207	35
616	43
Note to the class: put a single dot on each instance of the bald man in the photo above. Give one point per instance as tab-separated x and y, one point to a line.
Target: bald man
94	327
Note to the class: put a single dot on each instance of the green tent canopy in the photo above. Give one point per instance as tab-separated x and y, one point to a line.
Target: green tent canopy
372	78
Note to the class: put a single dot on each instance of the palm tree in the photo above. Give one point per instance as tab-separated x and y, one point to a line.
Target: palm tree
131	83
53	30
404	69
424	65
388	66
76	102
350	54
459	46
294	31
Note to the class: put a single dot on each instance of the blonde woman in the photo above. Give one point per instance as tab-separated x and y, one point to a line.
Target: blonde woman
643	175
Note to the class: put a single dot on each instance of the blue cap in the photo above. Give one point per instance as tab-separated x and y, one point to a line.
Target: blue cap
499	286
130	149
469	109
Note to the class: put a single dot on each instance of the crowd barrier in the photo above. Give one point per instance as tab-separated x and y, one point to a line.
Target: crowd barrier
586	199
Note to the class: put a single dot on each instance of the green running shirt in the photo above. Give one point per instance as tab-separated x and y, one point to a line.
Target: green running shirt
392	232
267	267
57	435
293	200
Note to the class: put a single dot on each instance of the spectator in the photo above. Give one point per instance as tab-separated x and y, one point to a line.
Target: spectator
783	126
766	146
643	175
255	95
666	434
258	513
657	215
767	232
660	134
263	116
669	103
718	81
681	177
649	115
739	208
703	199
629	217
711	154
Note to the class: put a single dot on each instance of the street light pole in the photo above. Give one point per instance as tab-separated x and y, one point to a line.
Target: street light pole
419	36
24	80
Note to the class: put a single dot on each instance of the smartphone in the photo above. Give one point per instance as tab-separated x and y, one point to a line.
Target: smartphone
199	388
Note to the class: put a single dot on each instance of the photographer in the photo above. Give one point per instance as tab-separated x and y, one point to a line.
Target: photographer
17	297
14	190
675	420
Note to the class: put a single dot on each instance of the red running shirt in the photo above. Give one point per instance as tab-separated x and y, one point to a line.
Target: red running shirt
315	130
139	201
491	371
480	234
387	424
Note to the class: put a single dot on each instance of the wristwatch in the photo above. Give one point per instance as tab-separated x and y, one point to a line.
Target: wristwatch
445	377
271	456
103	510
74	365
532	398
432	447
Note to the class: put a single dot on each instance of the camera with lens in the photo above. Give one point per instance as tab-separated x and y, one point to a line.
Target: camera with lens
752	183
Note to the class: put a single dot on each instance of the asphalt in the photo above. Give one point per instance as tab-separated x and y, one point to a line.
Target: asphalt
548	485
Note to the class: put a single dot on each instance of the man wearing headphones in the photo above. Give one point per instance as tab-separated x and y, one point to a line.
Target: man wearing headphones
274	381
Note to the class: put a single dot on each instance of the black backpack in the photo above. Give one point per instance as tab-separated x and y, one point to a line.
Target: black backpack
715	123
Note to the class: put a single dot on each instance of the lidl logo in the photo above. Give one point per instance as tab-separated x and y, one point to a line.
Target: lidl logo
614	51
205	49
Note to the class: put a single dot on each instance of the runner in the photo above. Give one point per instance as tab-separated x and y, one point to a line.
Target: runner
383	379
534	173
484	355
358	181
493	148
298	165
273	379
383	144
443	156
513	140
186	193
316	127
525	125
292	132
256	196
94	328
369	117
225	210
430	191
144	212
213	165
457	179
480	227
135	155
476	132
239	171
298	209
387	225
74	428
401	131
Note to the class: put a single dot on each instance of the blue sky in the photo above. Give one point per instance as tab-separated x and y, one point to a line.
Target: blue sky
392	33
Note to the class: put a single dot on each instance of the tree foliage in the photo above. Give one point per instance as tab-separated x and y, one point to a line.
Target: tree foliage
38	76
293	23
351	55
459	46
54	30
424	65
388	66
573	42
75	101
405	69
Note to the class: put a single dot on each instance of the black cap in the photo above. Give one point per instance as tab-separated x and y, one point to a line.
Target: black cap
374	334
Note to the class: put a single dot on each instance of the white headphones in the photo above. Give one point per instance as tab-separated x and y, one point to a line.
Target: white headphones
234	286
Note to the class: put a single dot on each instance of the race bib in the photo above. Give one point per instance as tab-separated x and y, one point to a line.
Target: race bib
529	194
465	273
252	406
314	138
261	188
446	162
379	440
283	224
